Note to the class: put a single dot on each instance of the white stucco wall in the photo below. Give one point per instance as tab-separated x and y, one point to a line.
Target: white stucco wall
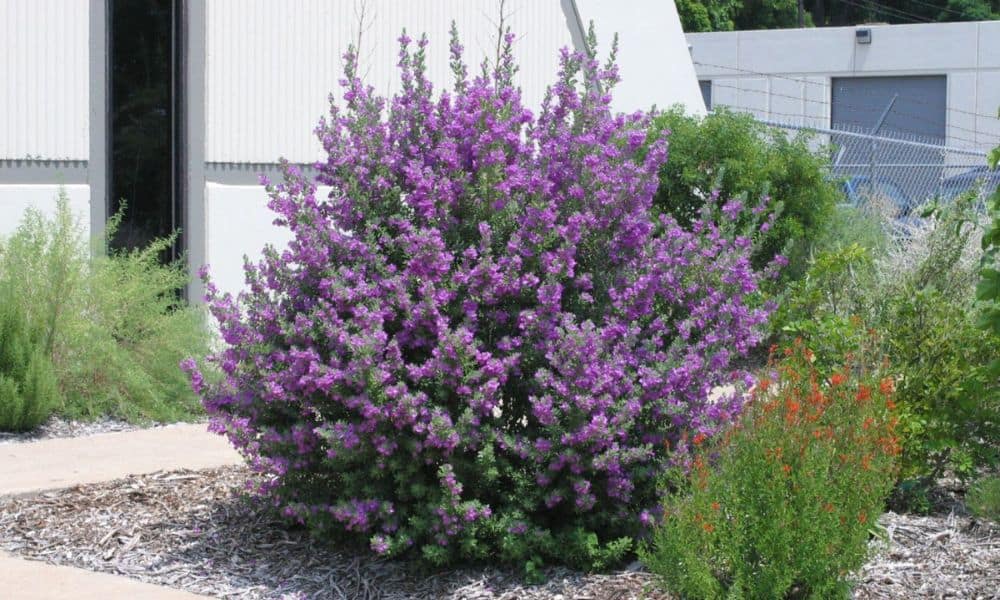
238	223
44	70
15	199
754	70
653	57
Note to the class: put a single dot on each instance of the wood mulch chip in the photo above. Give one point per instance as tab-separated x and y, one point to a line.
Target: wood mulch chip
196	530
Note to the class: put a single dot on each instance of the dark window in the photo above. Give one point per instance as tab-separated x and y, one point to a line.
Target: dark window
144	165
706	92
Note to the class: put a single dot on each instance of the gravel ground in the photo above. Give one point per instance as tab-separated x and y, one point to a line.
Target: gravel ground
194	530
58	427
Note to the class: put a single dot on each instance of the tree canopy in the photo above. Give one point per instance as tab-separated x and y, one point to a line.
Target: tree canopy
729	15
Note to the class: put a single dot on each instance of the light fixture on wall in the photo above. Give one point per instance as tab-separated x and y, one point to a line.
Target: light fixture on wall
863	36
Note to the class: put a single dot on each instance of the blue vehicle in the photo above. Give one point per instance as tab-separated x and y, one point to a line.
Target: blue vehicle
981	178
862	189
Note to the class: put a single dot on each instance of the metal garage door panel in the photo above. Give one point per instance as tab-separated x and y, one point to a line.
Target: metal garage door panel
909	108
919	108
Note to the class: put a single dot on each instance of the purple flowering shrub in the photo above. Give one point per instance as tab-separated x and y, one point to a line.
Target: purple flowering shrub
480	344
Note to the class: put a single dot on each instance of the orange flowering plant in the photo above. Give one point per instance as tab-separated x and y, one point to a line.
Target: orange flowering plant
782	503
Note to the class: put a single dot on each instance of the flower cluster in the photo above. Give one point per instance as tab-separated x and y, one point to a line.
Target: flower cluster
785	498
480	342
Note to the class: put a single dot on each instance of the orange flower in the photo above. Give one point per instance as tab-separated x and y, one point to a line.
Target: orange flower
890	404
699	438
837	379
862	518
708	527
763	384
792	406
816	397
868	423
887	386
715	506
863	393
786	468
828	507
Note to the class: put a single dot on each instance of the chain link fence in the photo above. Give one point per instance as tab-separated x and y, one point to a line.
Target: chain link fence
899	170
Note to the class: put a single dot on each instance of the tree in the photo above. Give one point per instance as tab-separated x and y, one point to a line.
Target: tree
727	15
708	15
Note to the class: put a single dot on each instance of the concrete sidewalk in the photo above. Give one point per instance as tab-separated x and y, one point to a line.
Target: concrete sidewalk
33	580
27	468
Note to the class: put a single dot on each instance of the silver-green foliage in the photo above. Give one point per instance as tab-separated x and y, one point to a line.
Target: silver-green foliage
111	322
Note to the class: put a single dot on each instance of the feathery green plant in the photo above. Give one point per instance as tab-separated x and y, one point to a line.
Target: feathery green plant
110	323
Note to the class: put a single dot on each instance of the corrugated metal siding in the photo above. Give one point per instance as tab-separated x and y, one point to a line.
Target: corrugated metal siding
270	66
45	100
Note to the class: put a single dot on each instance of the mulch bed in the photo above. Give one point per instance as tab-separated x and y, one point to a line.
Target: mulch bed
194	530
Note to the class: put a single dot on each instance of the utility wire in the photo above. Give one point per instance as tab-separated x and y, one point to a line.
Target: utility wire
944	8
855	108
888	11
923	138
825	85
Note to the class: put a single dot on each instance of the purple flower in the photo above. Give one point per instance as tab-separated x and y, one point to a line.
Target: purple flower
482	323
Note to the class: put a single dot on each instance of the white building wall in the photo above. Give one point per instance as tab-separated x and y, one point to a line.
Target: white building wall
784	75
239	224
653	58
44	101
44	87
270	67
15	199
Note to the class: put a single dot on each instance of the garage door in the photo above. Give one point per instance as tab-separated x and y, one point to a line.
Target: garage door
910	108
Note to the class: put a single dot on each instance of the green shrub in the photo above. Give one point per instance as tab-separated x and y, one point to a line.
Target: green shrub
983	498
736	155
919	292
28	389
988	289
851	225
782	504
11	404
112	324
